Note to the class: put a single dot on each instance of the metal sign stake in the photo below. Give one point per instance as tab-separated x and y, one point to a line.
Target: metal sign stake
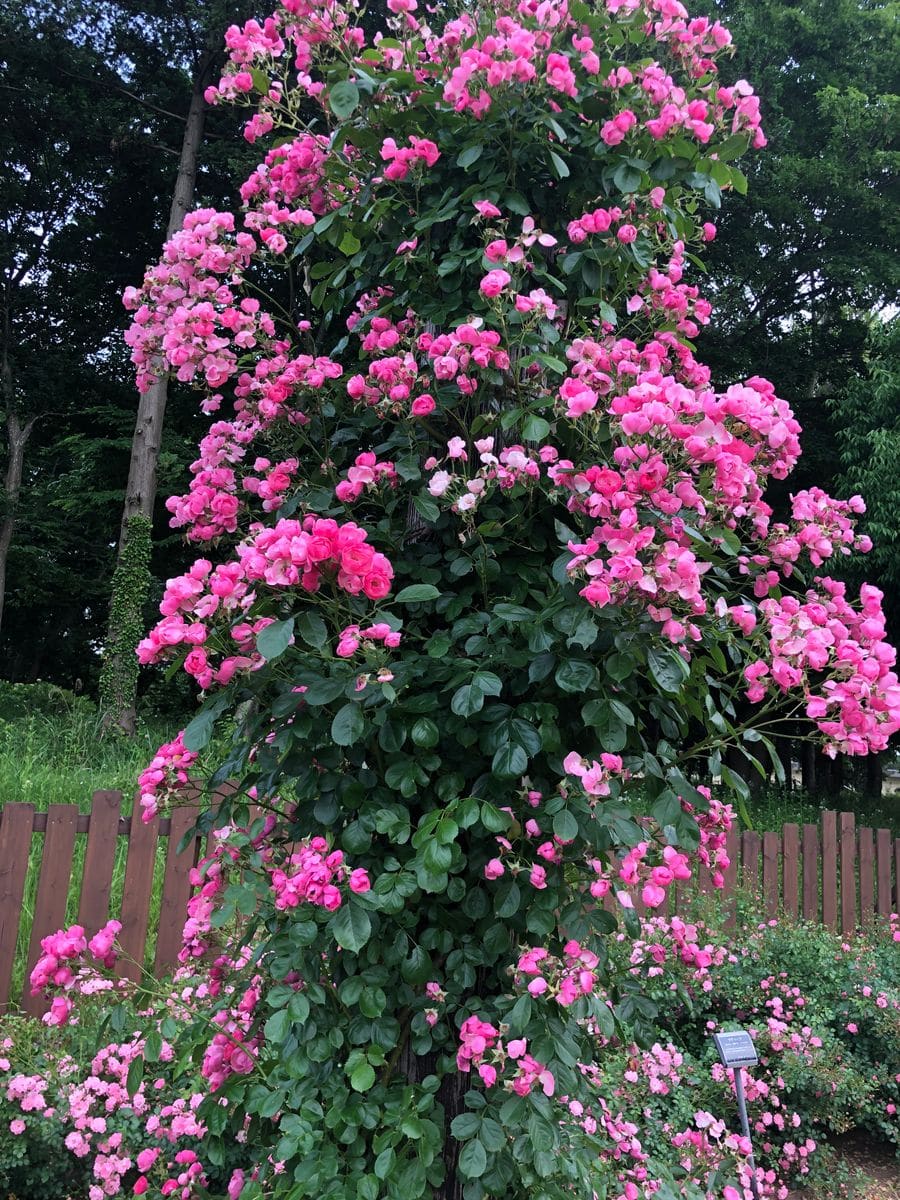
736	1050
745	1125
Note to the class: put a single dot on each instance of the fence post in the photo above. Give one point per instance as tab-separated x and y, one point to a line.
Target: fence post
810	851
791	867
16	822
848	872
52	890
829	870
99	860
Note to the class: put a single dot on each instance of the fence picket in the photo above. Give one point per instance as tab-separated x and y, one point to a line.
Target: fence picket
829	869
99	860
848	872
750	847
176	889
52	890
143	837
15	847
733	848
771	888
810	853
790	840
866	877
883	868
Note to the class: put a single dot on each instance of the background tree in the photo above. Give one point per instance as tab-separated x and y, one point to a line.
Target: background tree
800	263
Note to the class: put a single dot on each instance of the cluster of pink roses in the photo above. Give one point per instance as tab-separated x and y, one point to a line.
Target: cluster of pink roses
167	774
187	317
367	473
353	636
838	657
314	874
288	554
401	158
63	956
481	1047
513	465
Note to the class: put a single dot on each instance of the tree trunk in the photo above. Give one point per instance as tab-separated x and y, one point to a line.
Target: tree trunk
17	435
118	686
874	777
808	763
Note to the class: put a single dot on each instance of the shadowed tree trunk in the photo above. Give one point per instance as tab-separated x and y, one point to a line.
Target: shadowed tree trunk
17	435
118	684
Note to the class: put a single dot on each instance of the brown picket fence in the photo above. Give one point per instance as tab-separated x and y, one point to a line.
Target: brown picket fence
57	831
833	873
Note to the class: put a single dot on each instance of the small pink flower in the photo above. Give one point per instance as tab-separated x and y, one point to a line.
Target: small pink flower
486	209
422	405
494	282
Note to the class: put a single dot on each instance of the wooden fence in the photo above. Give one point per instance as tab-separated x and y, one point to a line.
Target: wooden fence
56	833
832	873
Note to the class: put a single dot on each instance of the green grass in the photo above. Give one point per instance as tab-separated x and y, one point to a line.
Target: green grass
53	751
773	807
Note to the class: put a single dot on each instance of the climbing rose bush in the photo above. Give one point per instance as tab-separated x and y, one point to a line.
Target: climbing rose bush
484	549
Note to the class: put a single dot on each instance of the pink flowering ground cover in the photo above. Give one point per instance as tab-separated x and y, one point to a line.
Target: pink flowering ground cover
484	551
83	1118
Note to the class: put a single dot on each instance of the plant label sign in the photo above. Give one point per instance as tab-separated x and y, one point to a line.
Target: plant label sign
736	1048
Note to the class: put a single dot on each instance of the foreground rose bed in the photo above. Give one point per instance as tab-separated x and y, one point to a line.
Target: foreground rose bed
825	1015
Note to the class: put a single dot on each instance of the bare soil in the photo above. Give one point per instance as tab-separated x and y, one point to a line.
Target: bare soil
874	1165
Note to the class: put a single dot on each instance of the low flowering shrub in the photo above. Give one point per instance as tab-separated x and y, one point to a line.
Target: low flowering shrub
84	1118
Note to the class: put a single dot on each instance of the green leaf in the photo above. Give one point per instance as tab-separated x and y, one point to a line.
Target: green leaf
509	761
416	593
199	731
135	1076
574	675
466	1125
565	826
323	691
426	508
277	1026
467	700
468	157
348	725
351	927
275	639
153	1046
362	1077
626	178
343	99
384	1163
535	429
560	166
261	81
349	244
312	629
514	612
473	1159
668	668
